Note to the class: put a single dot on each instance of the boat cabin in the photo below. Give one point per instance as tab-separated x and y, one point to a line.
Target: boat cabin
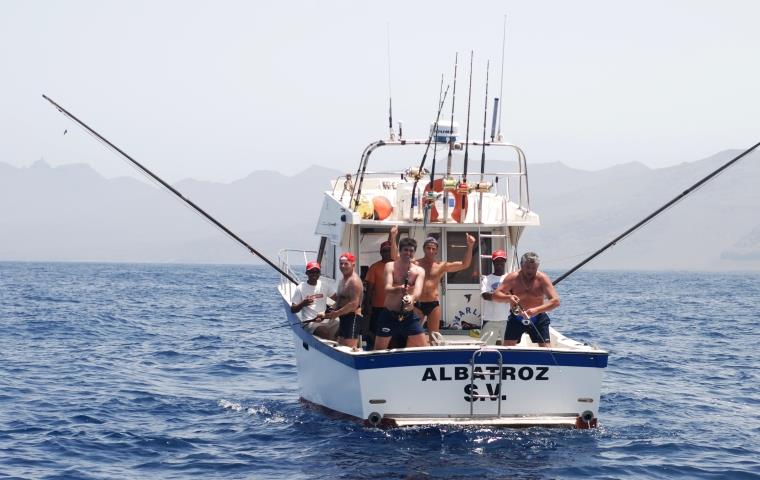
493	205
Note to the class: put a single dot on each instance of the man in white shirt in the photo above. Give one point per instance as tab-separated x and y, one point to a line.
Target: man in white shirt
310	298
495	310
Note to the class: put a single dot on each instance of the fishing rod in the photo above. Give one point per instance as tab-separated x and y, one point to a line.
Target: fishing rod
657	212
451	141
483	152
463	189
467	135
418	175
431	192
519	311
405	301
171	189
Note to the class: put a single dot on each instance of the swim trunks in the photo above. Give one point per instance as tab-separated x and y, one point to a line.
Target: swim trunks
427	307
388	324
538	328
350	325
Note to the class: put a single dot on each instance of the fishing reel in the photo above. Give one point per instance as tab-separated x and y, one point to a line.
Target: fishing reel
406	303
415	173
449	184
518	312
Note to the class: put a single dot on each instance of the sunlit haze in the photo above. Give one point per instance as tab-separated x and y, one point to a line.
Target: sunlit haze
216	90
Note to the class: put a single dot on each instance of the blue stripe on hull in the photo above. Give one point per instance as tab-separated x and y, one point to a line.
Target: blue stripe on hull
432	356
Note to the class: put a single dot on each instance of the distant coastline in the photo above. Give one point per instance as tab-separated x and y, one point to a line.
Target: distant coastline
71	213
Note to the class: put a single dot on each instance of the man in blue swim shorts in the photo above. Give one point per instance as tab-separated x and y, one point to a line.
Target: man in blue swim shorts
403	285
531	294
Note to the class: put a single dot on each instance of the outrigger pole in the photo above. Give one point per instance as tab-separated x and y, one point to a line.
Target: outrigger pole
171	189
657	212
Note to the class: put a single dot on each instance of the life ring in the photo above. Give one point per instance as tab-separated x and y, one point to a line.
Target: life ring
460	201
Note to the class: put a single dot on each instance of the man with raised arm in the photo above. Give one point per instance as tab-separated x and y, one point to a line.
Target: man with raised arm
403	284
531	294
348	300
429	304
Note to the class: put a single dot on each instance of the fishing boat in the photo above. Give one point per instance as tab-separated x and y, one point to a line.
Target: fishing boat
462	378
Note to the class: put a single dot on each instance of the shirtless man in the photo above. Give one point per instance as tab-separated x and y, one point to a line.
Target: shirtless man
375	279
429	305
403	284
532	291
348	300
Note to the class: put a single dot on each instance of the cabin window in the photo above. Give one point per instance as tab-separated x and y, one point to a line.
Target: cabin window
456	247
328	260
369	245
486	246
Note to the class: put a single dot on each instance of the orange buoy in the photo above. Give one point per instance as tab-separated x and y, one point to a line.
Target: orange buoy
382	207
460	201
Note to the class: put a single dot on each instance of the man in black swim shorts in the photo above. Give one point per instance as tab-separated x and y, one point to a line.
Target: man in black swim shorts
348	300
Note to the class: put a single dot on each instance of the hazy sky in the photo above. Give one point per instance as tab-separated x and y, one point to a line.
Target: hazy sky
215	90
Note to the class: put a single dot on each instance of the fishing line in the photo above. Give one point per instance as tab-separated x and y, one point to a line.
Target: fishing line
150	179
305	322
216	223
651	216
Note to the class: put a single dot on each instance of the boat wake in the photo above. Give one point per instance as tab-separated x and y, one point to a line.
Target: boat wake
260	411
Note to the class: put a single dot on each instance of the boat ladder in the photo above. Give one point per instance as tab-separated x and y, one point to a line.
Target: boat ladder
496	395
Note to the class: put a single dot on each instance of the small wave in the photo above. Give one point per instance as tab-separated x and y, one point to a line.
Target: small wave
226	404
86	419
268	415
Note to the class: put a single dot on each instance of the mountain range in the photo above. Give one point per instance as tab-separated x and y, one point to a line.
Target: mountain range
71	213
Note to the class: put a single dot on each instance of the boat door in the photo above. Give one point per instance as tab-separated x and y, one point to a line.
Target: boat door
461	290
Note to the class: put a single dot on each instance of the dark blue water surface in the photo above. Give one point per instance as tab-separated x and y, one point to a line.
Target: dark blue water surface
163	371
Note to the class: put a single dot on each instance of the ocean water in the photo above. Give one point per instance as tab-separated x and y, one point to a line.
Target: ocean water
176	371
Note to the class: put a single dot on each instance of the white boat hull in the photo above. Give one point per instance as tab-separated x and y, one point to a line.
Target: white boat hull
434	385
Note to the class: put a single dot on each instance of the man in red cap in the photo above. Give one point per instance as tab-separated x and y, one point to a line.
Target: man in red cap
310	298
348	302
495	310
375	279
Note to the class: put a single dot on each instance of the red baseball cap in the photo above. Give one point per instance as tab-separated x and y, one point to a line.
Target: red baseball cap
385	244
347	256
313	266
499	254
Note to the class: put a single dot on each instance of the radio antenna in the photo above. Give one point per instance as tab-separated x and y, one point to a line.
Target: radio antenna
390	94
501	88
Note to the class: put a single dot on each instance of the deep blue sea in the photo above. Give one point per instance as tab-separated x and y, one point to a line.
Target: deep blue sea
174	371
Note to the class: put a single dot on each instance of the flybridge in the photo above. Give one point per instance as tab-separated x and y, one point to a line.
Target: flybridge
445	132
